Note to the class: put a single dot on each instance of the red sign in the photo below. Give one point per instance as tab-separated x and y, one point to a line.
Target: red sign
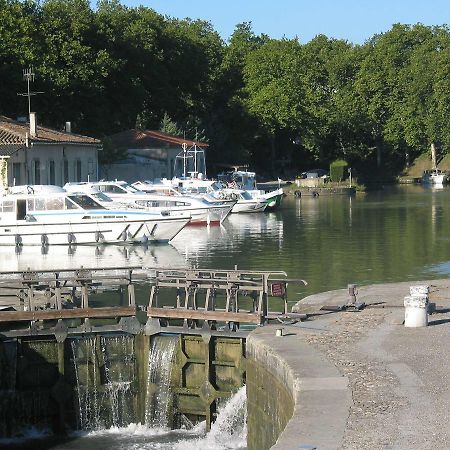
278	289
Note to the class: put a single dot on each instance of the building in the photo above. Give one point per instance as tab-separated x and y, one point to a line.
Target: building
32	154
149	155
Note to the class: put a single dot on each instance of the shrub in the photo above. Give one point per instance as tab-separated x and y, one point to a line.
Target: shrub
338	170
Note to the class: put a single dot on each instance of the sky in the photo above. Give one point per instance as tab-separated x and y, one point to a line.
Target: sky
353	20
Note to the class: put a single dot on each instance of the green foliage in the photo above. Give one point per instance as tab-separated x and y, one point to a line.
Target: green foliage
266	101
338	170
168	126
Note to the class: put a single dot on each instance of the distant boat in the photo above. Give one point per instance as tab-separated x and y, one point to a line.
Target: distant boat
435	175
245	180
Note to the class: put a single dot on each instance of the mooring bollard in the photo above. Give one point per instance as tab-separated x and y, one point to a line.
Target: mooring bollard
416	310
279	332
419	290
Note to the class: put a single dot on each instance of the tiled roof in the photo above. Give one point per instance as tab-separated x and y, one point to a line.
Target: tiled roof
147	138
13	132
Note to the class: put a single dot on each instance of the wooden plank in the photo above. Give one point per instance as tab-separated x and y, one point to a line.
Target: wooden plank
113	311
221	316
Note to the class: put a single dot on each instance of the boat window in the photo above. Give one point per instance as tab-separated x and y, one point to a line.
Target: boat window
39	204
55	203
8	206
85	202
246	196
69	204
101	197
30	204
130	188
112	188
180	204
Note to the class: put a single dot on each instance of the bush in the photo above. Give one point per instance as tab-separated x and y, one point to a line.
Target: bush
338	170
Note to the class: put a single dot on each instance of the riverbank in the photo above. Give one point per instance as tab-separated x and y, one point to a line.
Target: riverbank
397	378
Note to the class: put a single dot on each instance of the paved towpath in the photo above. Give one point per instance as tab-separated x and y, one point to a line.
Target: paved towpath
399	377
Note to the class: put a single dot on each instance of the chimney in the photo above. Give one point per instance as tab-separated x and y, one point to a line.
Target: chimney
33	124
68	127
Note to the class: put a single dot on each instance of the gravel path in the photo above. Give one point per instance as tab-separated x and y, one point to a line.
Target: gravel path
399	376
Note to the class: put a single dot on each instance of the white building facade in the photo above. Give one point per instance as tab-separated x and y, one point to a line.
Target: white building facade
31	154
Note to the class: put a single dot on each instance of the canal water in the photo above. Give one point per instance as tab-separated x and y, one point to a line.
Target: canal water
397	234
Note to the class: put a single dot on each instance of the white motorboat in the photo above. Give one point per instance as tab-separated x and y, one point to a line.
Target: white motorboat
171	202
434	176
193	180
48	215
245	202
243	179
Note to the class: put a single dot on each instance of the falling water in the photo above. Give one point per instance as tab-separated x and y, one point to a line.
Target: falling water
118	353
104	394
229	431
159	395
86	373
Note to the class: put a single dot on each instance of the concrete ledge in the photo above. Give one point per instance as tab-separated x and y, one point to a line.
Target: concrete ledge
320	394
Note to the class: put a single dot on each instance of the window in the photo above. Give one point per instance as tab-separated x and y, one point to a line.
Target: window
39	204
91	169
36	165
56	203
65	171
51	172
8	206
85	202
69	204
78	170
17	179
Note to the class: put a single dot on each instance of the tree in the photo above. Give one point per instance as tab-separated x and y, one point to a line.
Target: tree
275	91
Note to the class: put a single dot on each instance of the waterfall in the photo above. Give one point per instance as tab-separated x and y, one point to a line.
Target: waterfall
229	431
104	370
86	374
159	396
231	422
118	354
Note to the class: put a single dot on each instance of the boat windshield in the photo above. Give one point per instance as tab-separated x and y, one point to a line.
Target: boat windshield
245	195
101	197
85	202
130	188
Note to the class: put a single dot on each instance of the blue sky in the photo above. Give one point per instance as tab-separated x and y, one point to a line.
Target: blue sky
353	20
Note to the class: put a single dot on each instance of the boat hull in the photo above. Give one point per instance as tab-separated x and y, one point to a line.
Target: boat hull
91	231
249	206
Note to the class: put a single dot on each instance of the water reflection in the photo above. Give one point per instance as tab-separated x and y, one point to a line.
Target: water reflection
72	257
393	235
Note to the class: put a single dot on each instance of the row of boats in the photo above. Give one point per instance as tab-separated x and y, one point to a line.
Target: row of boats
117	212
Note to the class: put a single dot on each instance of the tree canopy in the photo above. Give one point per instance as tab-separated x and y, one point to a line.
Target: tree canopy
275	103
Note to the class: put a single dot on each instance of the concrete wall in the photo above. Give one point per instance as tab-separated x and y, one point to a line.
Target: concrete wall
295	396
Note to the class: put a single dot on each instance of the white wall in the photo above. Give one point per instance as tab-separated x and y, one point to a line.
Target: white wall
41	162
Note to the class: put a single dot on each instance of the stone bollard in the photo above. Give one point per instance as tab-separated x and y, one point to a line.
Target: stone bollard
419	290
416	310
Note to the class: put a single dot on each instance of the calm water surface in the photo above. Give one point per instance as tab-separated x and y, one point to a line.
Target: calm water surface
398	234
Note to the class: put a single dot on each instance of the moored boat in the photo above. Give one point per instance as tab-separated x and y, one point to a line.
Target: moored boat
173	203
243	179
48	215
434	176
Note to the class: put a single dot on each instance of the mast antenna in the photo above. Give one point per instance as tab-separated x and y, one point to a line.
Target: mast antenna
28	76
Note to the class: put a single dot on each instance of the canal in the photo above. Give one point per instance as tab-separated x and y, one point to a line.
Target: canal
398	234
